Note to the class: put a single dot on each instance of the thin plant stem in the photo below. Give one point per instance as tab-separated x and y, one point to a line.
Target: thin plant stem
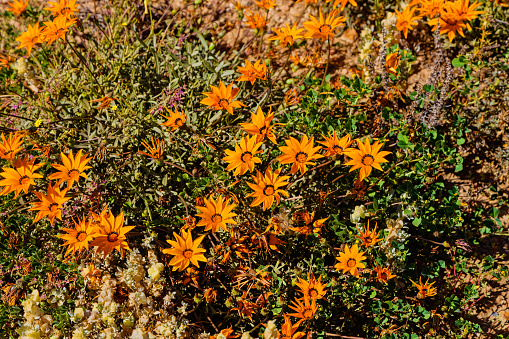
328	62
86	65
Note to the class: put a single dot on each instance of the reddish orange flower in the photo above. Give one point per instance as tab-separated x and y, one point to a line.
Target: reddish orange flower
222	98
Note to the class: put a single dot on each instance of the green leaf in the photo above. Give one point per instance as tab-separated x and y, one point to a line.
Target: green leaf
416	221
459	62
460	141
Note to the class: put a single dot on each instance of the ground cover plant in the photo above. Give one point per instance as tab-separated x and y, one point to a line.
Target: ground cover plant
254	169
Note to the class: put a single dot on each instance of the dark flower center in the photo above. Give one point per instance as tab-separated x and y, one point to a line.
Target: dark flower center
112	236
268	190
23	179
367	159
301	157
217	218
351	262
307	313
224	103
53	204
81	235
337	149
74	173
262	129
246	156
326	29
188	253
179	122
383	276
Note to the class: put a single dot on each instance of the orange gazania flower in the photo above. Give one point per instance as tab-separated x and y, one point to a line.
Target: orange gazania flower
30	38
10	146
430	8
267	188
222	98
111	234
210	295
72	169
50	204
21	177
323	29
454	17
289	331
299	154
227	332
256	20
64	8
78	238
406	20
252	72
175	120
243	157
216	214
5	61
425	290
366	158
391	63
156	151
260	126
287	35
383	274
57	28
305	310
17	6
185	251
450	24
368	237
350	260
465	11
335	146
266	4
311	225
343	3
105	102
312	288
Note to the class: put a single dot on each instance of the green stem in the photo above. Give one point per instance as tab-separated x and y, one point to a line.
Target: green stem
328	61
86	65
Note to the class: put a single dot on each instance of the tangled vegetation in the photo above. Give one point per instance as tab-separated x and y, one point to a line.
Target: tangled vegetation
272	169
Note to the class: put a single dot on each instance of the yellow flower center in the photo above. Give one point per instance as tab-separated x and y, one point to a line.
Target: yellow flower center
262	129
217	218
246	156
52	205
301	157
35	39
23	180
224	103
307	313
74	174
337	149
367	159
351	262
179	122
313	292
268	190
81	235
188	253
112	236
65	11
